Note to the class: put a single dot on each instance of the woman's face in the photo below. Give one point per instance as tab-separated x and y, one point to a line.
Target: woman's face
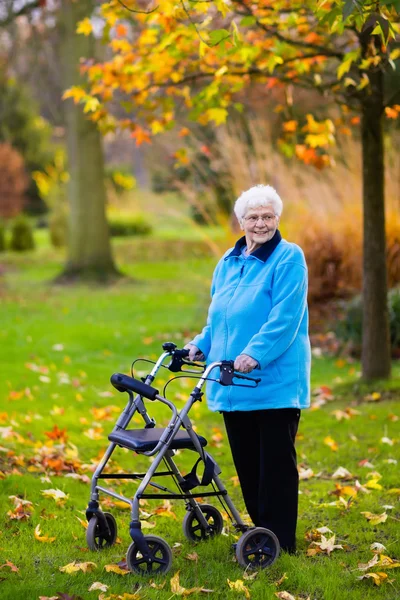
259	224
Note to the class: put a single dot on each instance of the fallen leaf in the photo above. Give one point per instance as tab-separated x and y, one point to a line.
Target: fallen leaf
97	585
157	586
369	564
377	547
192	556
42	538
177	589
74	567
115	569
373	484
11	566
281	580
284	596
342	473
165	510
305	474
376	577
388	563
329	441
238	586
375	519
58	495
328	545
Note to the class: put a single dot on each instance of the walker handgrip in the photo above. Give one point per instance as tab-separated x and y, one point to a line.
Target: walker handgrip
123	383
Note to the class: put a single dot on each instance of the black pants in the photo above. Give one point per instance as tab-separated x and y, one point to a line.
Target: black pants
262	445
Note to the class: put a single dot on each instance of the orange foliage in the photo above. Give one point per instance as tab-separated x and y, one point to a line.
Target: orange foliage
13	182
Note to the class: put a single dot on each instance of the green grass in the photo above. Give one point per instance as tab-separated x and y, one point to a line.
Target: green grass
76	338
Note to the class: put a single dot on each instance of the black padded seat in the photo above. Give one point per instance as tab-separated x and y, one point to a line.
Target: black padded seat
143	440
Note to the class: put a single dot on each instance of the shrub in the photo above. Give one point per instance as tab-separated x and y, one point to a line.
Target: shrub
128	225
21	235
349	329
13	182
58	228
2	237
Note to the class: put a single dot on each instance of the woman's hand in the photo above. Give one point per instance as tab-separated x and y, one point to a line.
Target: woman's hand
194	352
244	363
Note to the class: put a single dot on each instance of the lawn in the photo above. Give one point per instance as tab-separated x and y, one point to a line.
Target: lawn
58	348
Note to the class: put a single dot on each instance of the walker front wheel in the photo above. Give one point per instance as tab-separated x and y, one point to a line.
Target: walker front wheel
158	560
257	548
98	536
194	531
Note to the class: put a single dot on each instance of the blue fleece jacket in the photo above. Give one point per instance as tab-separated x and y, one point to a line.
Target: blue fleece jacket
259	308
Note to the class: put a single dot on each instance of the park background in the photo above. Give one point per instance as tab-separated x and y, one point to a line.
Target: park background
108	244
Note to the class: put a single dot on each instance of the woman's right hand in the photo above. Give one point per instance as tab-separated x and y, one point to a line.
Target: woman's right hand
194	352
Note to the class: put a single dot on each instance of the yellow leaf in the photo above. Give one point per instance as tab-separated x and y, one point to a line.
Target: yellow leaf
84	27
74	92
375	519
373	484
42	538
116	569
58	495
238	586
218	115
91	105
376	577
329	441
281	580
177	589
74	567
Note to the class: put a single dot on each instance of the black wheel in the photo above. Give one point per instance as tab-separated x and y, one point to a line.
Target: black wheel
158	561
97	537
258	548
194	531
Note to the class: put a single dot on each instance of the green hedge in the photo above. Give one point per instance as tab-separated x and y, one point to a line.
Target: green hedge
128	225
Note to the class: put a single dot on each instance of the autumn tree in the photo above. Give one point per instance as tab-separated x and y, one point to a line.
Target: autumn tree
201	55
89	248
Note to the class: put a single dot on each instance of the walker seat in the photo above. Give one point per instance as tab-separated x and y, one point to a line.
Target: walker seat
143	440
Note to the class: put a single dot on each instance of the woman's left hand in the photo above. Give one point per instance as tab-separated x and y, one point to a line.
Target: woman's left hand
244	363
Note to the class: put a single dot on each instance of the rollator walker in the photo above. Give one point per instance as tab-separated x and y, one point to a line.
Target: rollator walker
150	554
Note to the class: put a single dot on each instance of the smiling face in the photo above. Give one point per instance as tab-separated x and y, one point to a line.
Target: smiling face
259	225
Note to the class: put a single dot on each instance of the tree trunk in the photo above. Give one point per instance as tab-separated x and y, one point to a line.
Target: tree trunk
89	248
376	362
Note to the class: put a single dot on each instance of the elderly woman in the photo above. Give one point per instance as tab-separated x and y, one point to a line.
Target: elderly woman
258	316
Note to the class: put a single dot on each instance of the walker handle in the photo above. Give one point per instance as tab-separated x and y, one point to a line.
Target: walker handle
123	383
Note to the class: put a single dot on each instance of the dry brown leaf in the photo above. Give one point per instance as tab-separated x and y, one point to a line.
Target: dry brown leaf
369	564
165	510
284	596
238	586
192	556
42	538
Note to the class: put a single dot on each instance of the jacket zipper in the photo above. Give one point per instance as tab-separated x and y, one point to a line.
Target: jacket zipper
226	325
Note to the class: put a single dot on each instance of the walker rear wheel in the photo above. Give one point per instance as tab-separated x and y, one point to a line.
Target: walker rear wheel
257	548
159	559
194	531
97	536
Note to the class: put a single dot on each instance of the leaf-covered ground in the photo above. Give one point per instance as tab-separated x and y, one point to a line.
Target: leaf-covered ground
58	348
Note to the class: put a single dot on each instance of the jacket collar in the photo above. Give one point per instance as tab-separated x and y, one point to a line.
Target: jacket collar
261	253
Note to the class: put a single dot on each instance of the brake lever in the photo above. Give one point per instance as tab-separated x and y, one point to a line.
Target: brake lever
227	375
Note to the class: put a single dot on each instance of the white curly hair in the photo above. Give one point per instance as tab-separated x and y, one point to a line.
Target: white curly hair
259	195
